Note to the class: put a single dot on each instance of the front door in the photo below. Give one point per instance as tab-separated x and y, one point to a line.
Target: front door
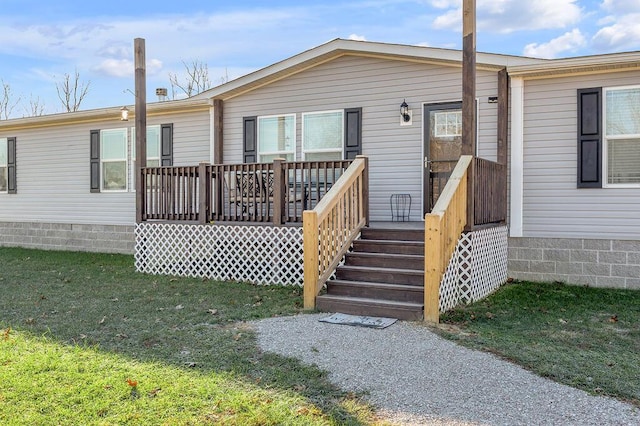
442	148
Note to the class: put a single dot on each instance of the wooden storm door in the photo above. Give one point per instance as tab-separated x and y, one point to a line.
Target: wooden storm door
442	148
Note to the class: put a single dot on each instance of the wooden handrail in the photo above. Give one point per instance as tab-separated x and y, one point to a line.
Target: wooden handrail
330	228
442	230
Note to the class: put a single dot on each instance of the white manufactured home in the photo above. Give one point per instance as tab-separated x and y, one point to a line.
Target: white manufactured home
340	139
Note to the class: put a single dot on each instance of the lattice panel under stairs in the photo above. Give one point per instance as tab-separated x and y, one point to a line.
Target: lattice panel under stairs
256	254
476	269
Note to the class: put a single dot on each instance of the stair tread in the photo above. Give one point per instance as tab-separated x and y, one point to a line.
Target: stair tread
406	287
390	255
366	300
408	242
380	269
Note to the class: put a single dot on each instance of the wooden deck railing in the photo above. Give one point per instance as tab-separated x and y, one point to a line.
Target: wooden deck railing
443	227
489	192
172	193
275	192
330	228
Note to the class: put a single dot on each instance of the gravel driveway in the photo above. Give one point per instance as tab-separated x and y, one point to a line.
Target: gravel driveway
415	377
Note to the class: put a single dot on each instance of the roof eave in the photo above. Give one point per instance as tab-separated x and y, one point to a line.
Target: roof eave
102	114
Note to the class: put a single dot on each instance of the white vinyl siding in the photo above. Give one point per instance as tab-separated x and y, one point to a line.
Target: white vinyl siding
323	135
621	163
394	151
553	206
276	138
54	172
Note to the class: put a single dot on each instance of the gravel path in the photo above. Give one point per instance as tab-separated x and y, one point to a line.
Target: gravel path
415	377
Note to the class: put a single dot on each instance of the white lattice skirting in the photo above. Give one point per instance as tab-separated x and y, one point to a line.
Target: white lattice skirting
255	254
477	268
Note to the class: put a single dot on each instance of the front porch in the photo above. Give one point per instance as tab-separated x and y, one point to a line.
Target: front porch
235	222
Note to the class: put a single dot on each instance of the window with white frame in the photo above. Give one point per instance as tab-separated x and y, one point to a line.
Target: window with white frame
276	137
4	165
153	146
153	151
113	159
622	136
323	135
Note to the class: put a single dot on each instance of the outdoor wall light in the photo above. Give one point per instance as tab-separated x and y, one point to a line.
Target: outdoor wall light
404	111
124	114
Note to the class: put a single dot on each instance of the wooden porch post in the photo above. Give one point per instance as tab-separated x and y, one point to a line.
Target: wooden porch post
278	190
204	196
503	133
365	189
469	95
218	134
141	123
310	252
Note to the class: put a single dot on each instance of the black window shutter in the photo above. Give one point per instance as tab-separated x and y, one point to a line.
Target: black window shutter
94	160
352	133
166	145
250	139
12	187
590	138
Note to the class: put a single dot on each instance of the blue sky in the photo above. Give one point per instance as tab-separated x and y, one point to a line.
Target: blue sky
41	40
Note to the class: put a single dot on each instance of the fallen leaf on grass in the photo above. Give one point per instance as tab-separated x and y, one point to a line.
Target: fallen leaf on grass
122	336
179	307
6	333
614	318
237	337
562	321
102	320
154	392
213	311
30	321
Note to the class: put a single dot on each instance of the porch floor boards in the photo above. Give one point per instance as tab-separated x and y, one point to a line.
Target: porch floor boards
383	276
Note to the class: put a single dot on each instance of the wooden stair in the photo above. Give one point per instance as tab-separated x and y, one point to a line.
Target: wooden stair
383	276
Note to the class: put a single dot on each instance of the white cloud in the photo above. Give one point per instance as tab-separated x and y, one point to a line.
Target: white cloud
506	16
567	42
621	33
621	6
357	37
124	68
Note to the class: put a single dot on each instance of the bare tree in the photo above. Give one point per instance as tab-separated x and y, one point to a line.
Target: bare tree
6	103
72	92
35	108
196	80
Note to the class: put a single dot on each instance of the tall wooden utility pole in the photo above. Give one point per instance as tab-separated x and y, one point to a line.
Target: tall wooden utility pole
141	122
469	99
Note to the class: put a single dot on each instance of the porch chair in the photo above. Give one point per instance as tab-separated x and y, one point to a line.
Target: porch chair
244	190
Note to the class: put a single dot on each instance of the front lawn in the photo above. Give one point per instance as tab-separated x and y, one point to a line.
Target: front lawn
584	337
86	340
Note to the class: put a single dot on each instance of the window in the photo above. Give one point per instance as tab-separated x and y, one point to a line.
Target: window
323	135
276	138
113	153
622	136
113	159
153	146
448	124
4	164
326	135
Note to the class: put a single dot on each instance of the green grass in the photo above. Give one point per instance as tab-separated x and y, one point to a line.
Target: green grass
74	327
588	338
